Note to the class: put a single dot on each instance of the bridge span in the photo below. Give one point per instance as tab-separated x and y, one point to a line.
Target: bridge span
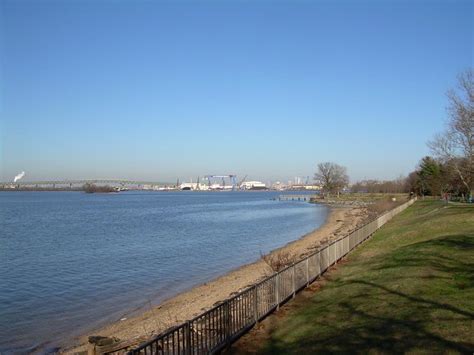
80	182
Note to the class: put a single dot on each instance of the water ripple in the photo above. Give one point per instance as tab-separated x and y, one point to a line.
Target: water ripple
69	261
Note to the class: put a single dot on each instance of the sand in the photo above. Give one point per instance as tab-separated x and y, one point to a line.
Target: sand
340	221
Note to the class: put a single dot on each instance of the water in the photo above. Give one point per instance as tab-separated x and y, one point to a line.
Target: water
70	261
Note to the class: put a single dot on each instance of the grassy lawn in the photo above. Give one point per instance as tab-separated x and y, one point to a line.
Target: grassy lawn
409	289
369	197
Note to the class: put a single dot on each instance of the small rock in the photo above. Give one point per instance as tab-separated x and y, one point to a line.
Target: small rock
102	341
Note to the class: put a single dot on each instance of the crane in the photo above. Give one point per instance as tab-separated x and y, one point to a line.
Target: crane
231	177
242	181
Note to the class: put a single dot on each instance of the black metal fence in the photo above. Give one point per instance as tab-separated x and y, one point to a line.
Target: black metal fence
220	326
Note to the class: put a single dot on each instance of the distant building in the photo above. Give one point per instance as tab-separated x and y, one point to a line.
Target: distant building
278	186
193	186
313	187
304	187
253	185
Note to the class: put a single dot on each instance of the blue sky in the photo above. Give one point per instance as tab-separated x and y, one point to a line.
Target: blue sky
157	90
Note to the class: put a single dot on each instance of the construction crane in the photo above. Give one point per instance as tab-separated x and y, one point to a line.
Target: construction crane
242	181
231	177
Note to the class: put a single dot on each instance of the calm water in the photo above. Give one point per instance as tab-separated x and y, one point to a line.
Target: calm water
70	261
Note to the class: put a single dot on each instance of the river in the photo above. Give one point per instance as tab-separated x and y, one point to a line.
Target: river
70	261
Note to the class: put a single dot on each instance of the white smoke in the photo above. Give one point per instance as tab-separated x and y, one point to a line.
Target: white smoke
19	176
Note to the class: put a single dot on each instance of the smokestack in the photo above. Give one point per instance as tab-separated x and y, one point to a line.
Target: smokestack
19	176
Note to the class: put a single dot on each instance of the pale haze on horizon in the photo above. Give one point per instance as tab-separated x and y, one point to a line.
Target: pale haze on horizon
157	91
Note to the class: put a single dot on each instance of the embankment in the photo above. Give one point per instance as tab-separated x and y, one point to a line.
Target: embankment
409	289
340	221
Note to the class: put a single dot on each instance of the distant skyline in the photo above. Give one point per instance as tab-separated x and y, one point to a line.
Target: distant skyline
160	90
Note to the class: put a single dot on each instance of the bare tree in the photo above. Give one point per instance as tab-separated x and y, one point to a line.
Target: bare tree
332	177
455	146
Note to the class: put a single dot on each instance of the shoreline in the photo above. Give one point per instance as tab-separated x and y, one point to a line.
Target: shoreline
189	303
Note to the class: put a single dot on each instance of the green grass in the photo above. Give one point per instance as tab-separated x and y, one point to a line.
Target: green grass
368	197
409	289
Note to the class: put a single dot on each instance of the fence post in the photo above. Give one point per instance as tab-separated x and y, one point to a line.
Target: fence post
307	271
228	331
255	304
277	290
294	280
187	335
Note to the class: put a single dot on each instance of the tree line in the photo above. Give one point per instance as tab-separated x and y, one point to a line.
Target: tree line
450	168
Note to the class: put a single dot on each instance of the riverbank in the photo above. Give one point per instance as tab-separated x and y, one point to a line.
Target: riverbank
409	289
340	221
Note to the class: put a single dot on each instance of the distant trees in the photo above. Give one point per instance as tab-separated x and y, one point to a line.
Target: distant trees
412	183
454	148
332	177
430	177
451	168
435	178
92	188
398	185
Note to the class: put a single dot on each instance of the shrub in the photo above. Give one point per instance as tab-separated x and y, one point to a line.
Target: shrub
278	260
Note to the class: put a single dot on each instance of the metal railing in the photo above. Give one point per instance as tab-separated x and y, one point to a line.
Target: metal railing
219	327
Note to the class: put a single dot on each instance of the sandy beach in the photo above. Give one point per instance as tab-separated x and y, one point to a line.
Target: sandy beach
340	221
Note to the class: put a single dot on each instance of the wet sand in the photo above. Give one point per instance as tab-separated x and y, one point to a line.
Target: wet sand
340	221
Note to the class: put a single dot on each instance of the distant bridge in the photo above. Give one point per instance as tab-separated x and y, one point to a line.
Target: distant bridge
53	183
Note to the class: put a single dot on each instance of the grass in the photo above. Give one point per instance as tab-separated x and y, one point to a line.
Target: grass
368	197
377	203
409	289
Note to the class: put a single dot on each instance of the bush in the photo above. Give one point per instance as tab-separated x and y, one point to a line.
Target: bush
278	260
91	188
